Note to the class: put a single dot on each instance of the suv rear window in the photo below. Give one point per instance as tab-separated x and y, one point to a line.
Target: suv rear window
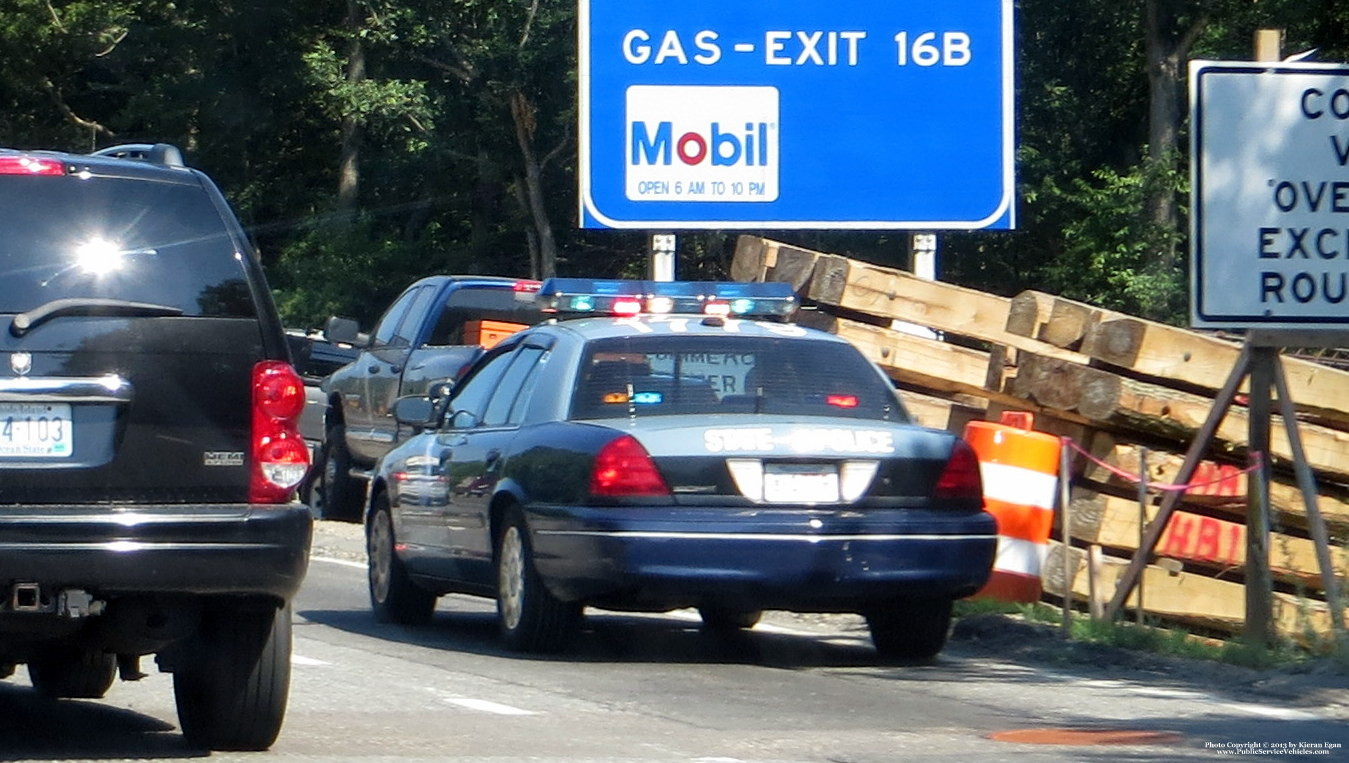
120	239
665	375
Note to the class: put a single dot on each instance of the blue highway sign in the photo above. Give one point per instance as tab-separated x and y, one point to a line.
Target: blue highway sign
750	114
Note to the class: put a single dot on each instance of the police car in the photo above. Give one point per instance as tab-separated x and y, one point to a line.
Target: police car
658	446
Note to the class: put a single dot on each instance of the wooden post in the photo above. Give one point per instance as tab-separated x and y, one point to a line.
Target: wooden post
1065	505
1094	564
1142	520
1315	523
1268	44
1259	581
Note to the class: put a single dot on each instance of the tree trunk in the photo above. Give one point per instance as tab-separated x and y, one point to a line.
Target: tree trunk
1167	46
348	178
522	112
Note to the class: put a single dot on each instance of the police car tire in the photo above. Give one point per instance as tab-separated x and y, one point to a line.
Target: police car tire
530	617
910	629
72	673
394	598
724	619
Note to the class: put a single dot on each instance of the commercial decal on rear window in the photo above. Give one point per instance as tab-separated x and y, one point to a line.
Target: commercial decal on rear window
802	440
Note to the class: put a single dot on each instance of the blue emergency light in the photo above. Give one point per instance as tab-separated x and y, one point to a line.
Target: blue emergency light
573	297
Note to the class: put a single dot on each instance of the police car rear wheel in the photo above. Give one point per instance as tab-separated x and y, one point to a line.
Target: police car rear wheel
393	597
910	629
531	619
724	619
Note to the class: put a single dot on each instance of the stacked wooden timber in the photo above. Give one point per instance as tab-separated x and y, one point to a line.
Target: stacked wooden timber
1131	396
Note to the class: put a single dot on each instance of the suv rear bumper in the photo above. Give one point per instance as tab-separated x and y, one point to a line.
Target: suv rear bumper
234	549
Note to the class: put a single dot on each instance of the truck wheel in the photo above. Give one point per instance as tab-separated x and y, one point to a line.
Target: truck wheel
335	494
232	689
393	597
531	618
910	629
73	673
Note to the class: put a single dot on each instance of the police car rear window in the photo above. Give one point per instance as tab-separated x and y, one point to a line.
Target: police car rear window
672	375
161	243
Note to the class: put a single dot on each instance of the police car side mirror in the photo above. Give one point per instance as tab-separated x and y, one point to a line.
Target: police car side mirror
415	411
463	420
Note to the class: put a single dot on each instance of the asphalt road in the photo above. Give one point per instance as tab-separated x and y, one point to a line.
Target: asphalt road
654	688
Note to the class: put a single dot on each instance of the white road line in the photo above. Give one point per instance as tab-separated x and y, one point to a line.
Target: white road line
339	562
1269	711
486	706
296	659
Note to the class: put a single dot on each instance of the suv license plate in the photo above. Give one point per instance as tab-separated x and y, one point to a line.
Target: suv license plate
36	430
800	483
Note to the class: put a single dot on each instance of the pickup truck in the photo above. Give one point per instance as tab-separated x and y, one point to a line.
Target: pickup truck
432	331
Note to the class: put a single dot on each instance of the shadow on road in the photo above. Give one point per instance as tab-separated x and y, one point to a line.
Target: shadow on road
608	637
33	727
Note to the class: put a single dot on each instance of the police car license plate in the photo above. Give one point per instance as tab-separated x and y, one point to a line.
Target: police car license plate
36	430
800	483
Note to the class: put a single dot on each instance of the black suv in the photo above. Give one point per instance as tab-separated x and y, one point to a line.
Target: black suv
149	449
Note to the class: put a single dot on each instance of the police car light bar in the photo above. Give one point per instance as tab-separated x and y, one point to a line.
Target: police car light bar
587	296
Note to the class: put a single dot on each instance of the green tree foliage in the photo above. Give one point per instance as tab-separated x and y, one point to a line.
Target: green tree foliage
461	120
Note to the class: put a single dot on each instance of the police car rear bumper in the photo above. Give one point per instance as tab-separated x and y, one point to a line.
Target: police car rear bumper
804	561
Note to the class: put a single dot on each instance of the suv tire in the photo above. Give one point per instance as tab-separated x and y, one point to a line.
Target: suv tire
231	691
66	673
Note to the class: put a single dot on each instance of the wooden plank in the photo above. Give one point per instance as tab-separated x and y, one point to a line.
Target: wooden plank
750	262
1125	404
1027	312
1229	499
1068	323
1187	597
912	359
1203	361
941	413
887	294
1114	522
901	296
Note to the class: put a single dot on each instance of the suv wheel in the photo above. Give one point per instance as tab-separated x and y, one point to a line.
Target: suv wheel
62	673
335	495
231	691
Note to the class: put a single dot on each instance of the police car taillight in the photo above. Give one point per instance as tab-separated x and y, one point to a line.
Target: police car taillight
30	165
574	297
624	468
280	456
960	478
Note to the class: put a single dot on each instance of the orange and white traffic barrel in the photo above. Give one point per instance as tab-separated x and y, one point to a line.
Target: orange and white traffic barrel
1020	470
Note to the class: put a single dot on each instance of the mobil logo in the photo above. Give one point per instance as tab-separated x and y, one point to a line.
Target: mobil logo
657	144
701	143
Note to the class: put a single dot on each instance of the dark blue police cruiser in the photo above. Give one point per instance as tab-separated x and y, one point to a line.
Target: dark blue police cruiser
657	446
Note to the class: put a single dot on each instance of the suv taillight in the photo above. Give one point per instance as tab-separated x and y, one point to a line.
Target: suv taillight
30	165
624	468
280	456
960	478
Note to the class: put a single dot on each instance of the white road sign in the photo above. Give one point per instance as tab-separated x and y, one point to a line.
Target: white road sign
1270	195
